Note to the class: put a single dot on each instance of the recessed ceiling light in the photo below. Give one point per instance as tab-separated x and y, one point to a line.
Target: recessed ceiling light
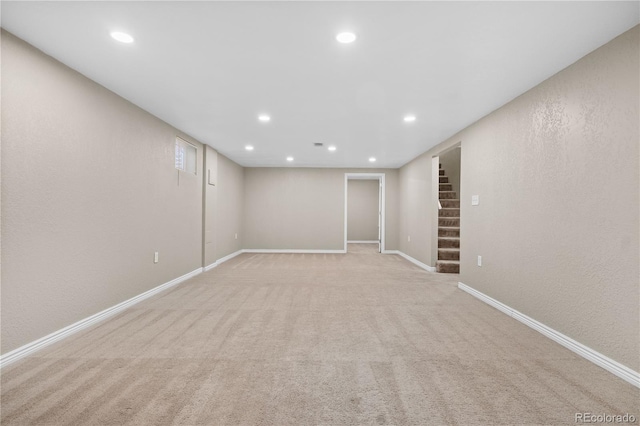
346	37
372	159
121	37
249	148
264	118
289	158
332	148
409	118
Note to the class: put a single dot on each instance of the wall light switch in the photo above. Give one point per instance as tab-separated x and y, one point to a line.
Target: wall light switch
479	260
236	236
475	200
409	238
155	257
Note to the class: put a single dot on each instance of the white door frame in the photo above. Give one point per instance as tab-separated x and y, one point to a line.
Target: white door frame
366	176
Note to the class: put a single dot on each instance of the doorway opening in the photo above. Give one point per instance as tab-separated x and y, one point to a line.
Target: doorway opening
445	243
364	210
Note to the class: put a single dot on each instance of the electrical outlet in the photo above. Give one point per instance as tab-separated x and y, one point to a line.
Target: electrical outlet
479	260
475	200
155	257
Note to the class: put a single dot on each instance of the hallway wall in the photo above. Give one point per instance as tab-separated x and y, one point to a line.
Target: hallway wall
89	193
557	226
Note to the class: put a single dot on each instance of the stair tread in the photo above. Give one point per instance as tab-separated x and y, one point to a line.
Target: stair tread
449	249
453	262
448	238
448	227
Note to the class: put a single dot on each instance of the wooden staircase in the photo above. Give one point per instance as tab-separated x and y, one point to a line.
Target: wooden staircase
448	228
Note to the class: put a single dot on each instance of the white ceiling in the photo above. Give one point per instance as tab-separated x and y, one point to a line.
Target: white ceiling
209	68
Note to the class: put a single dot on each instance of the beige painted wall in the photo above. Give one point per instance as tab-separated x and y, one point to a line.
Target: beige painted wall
557	226
223	201
230	207
303	208
89	192
416	209
362	210
210	202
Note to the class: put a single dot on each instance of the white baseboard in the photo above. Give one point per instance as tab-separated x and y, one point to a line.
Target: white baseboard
292	251
411	259
222	260
363	242
47	340
586	352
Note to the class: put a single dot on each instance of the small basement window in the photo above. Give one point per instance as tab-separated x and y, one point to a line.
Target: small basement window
186	156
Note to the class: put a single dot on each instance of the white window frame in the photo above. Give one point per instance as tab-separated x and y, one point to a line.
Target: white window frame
180	156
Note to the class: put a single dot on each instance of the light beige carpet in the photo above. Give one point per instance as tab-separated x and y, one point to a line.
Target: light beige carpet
310	339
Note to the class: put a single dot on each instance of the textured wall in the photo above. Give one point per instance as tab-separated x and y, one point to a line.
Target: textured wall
557	226
89	192
303	208
362	210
